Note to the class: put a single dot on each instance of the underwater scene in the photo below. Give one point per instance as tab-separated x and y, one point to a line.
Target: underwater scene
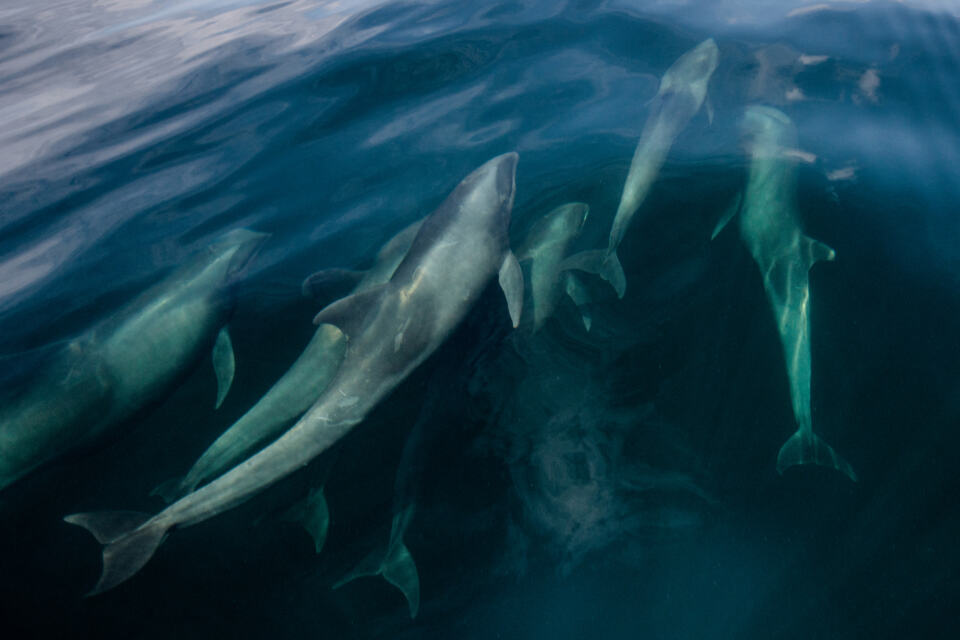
452	319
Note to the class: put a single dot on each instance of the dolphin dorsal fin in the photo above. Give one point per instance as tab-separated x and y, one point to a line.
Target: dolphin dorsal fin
348	314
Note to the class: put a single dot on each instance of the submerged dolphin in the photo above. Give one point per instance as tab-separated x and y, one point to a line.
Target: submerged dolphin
542	254
770	228
394	563
300	386
127	361
390	329
682	91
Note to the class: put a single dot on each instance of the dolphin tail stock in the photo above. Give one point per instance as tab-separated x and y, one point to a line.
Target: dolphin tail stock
806	447
130	538
224	365
603	263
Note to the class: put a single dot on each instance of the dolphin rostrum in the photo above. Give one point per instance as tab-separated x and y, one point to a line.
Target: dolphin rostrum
770	228
390	331
300	386
542	254
682	91
127	361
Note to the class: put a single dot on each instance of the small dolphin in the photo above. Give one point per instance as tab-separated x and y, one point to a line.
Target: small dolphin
770	228
683	90
542	255
390	331
300	386
127	361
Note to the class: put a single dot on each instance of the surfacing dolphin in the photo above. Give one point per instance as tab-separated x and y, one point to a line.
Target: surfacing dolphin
770	228
542	255
390	331
127	361
300	386
682	91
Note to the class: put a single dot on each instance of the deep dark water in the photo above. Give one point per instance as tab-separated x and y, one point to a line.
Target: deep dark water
616	483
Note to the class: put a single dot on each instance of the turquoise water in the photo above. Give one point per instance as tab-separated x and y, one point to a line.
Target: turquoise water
615	483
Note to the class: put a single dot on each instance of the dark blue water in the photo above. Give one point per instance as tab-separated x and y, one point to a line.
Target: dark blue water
619	483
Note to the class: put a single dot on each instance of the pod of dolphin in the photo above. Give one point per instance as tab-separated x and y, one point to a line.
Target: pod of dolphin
392	318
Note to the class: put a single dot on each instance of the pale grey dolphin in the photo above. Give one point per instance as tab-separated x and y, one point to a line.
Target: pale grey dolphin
298	388
127	361
682	91
390	330
770	228
541	255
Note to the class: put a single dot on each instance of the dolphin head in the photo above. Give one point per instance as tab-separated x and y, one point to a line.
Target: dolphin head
693	69
767	131
491	187
232	251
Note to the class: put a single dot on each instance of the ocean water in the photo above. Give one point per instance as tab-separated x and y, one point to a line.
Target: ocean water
619	482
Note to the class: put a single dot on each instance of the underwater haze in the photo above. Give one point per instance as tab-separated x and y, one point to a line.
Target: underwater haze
634	319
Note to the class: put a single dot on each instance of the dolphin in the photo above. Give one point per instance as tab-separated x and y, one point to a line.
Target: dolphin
127	361
682	91
390	330
770	229
542	254
300	386
394	562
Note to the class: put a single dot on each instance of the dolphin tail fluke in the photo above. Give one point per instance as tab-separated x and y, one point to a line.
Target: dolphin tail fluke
224	365
806	447
170	490
129	540
599	262
399	569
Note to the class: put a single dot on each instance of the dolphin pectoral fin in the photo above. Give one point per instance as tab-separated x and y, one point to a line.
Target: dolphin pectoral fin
708	107
170	490
314	515
224	365
511	281
599	262
581	297
399	569
330	284
129	541
728	214
348	314
806	447
815	251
